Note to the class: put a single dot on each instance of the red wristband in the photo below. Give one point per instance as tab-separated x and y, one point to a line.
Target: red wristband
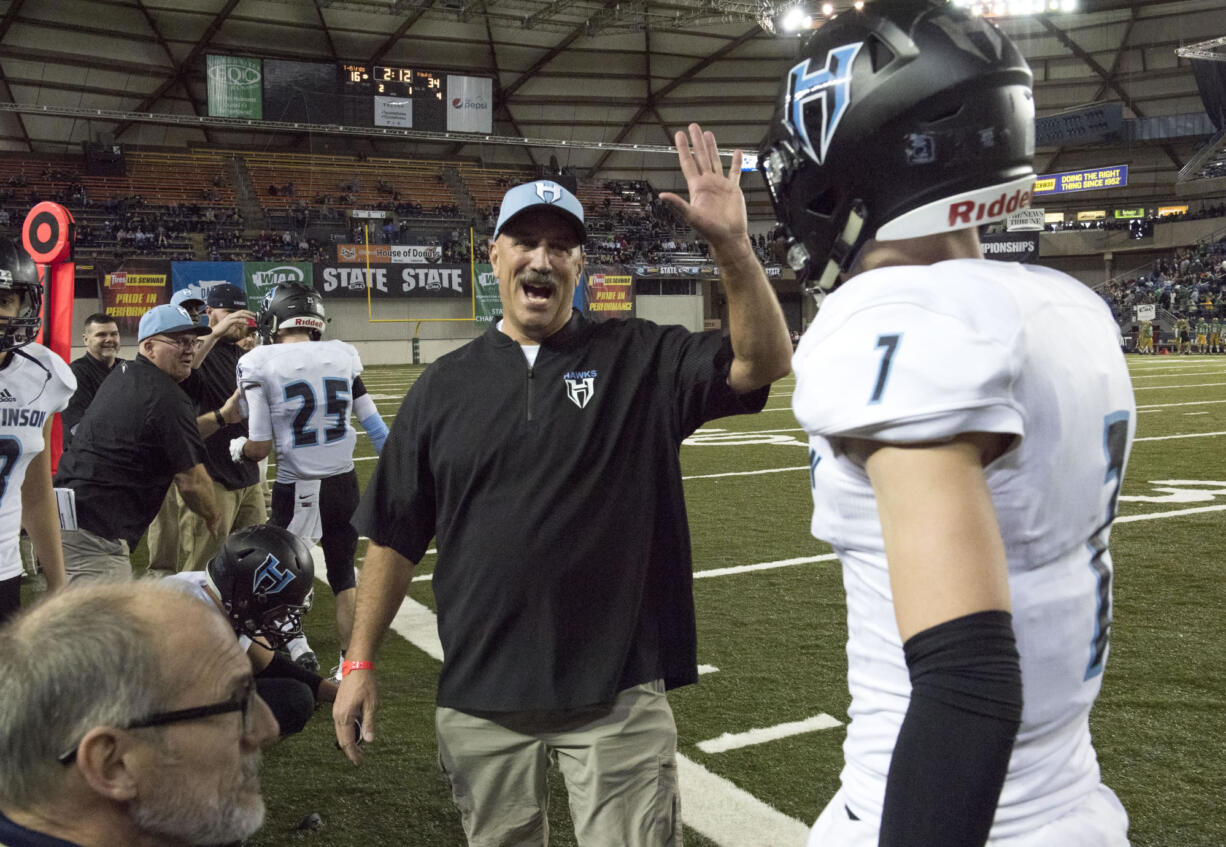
346	667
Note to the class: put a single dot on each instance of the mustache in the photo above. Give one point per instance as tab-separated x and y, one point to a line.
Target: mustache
536	278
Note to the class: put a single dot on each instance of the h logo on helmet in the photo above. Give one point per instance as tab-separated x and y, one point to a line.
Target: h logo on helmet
270	577
832	85
554	192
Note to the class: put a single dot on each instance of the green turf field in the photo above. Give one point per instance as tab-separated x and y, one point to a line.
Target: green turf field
771	642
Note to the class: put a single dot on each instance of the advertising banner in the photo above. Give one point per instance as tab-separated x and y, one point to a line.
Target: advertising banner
470	103
132	288
394	111
609	294
1011	246
1115	176
693	271
382	254
205	274
235	87
1025	220
393	280
1129	213
258	277
1147	312
417	254
360	254
488	306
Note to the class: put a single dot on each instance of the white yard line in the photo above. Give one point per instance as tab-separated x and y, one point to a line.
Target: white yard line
1189	403
710	804
745	473
1188	414
731	816
1172	387
1181	373
763	566
761	735
1155	515
1169	437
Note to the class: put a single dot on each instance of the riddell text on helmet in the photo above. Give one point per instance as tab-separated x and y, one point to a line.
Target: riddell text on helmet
969	212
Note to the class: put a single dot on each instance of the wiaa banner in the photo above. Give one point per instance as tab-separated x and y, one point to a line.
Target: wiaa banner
259	277
390	281
1011	247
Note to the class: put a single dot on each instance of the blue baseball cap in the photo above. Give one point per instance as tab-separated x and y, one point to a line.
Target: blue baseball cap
225	296
168	319
543	193
187	295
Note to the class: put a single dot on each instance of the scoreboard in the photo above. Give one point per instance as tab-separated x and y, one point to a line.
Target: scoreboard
348	94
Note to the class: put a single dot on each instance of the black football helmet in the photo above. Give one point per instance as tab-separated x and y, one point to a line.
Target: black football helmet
908	118
290	305
265	577
18	273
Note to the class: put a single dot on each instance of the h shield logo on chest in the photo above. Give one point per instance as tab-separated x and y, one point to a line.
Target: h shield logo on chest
580	387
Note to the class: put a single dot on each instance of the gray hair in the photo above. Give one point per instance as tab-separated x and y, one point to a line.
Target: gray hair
82	658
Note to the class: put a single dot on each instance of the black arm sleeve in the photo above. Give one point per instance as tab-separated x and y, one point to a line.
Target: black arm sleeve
953	749
283	667
359	387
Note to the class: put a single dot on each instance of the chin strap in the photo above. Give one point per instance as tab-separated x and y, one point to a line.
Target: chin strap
842	256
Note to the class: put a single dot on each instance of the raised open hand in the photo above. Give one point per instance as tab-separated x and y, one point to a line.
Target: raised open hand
716	208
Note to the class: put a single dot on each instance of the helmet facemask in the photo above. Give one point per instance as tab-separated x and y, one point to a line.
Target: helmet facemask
21	329
892	115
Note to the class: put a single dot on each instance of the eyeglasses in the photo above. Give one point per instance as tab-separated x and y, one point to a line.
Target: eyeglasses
244	703
187	342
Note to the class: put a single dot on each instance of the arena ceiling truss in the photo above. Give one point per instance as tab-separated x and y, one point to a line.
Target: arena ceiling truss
599	86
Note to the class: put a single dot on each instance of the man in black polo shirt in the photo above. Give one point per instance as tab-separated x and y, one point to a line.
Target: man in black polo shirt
544	460
236	487
139	435
101	337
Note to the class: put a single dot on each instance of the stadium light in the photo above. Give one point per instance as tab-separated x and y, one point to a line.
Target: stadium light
1016	8
796	19
802	15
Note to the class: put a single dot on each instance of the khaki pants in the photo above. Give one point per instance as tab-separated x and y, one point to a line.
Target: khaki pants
163	534
89	556
239	508
618	760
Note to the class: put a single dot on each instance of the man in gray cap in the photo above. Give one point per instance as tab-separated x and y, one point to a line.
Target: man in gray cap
236	487
138	436
544	457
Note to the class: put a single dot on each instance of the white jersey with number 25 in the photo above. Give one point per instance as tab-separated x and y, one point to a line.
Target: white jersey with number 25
300	395
919	354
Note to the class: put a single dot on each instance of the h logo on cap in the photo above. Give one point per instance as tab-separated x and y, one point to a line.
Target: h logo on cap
554	191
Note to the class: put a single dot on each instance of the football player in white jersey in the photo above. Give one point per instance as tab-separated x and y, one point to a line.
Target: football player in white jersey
34	384
300	391
969	422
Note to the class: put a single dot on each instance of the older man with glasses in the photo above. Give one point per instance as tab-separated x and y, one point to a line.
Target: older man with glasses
113	736
140	434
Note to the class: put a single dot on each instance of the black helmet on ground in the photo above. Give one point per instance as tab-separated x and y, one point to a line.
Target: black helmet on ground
906	119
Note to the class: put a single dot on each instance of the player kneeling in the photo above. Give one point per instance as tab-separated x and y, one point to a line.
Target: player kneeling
262	580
